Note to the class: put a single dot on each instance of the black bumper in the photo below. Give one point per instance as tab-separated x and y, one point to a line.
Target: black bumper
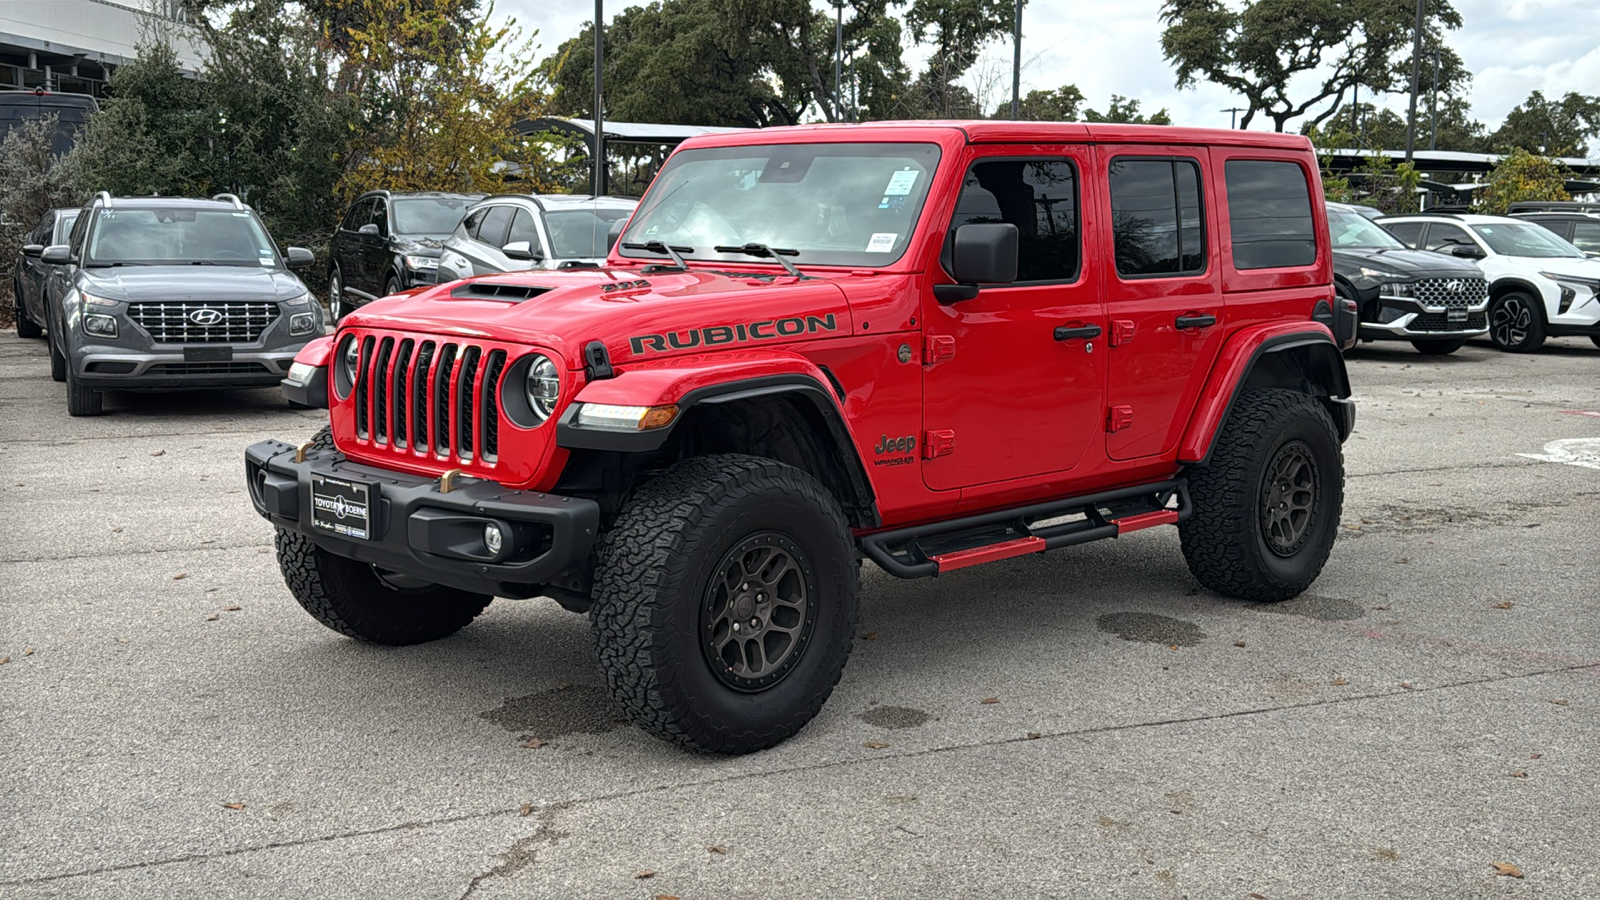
418	531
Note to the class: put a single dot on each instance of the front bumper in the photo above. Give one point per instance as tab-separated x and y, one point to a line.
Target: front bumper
416	530
115	368
1404	319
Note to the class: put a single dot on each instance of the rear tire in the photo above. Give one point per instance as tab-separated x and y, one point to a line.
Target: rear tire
58	362
1249	536
26	327
82	401
1438	348
1516	322
715	545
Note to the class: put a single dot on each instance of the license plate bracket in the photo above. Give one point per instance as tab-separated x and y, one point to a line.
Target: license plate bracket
1455	316
342	506
208	354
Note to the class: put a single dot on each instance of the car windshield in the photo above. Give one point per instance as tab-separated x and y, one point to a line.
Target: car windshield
1350	229
1519	239
429	216
156	236
581	233
836	204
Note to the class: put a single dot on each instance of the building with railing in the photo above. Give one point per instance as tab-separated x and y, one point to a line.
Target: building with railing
73	46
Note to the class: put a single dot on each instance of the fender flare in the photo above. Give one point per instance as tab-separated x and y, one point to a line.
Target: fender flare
313	392
1516	283
1310	346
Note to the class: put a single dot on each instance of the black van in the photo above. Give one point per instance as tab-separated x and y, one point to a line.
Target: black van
71	112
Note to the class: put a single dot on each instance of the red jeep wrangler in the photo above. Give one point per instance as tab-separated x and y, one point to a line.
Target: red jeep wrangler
929	344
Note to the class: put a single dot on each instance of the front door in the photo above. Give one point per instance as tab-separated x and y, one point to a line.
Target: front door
1015	377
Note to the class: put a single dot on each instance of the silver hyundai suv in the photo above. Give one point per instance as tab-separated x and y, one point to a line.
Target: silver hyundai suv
513	232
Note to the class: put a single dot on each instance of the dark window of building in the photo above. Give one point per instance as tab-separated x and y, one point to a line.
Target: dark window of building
1156	218
1269	213
1040	197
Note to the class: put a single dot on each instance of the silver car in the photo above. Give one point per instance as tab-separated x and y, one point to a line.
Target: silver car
513	232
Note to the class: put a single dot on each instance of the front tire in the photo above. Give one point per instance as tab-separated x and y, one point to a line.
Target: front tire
83	401
1267	503
1516	322
391	286
336	303
1594	339
725	603
1437	347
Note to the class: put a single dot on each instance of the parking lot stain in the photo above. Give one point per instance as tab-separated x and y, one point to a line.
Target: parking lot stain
1151	629
894	717
1315	606
559	711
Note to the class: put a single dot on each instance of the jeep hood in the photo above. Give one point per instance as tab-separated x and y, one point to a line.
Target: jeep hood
636	313
201	283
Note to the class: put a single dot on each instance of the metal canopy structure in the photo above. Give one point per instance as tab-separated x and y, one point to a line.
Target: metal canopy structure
639	148
1346	159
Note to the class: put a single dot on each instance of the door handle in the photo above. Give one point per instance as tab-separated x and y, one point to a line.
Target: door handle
1196	320
1078	333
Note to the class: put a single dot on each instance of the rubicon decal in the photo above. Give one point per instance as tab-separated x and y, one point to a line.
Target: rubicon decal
713	335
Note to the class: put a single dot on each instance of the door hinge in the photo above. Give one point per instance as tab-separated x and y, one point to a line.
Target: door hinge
939	348
1122	331
938	443
1118	418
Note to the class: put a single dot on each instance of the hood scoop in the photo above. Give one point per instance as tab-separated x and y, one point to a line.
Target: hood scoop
515	293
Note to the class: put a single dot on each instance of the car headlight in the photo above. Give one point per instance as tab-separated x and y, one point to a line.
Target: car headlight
350	360
92	300
1395	289
301	373
422	262
302	323
543	387
1380	274
100	326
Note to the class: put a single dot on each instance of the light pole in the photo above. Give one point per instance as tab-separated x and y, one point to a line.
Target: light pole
1016	58
1433	105
1233	115
1416	75
599	126
838	63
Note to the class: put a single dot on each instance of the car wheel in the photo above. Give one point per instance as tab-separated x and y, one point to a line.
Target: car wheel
58	360
82	401
391	286
336	304
26	327
725	603
1267	502
1438	348
1595	339
1516	322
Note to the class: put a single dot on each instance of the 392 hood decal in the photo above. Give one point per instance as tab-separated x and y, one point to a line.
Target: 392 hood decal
714	335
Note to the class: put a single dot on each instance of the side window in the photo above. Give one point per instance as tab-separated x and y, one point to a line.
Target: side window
496	223
1586	236
1440	237
1156	219
63	229
1408	233
380	216
360	213
80	228
41	232
1040	197
1269	215
469	225
522	229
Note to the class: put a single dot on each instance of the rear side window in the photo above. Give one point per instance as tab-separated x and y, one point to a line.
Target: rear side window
495	225
1408	233
1269	213
1156	220
1586	236
64	228
1040	197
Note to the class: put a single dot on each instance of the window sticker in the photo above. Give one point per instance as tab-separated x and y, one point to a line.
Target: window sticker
882	242
900	183
266	260
240	215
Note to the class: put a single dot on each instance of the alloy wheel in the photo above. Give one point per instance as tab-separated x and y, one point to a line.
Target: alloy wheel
1510	322
1289	498
757	616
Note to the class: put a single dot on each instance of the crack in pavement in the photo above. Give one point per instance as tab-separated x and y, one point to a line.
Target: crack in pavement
514	860
522	852
115	553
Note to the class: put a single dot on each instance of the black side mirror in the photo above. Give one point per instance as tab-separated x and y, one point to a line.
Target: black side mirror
299	257
368	228
982	254
32	250
1466	251
56	254
522	250
615	232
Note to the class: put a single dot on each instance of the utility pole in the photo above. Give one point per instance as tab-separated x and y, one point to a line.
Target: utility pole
1233	115
1016	59
1433	105
599	126
838	63
1416	76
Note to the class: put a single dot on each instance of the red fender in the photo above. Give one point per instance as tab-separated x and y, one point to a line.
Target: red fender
316	352
659	383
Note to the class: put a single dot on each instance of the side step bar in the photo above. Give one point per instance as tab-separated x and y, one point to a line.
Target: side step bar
922	550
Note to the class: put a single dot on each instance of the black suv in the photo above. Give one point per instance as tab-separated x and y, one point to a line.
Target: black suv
1580	229
389	242
161	294
31	273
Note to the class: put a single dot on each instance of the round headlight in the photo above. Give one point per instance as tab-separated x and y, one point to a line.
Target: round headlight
543	387
351	359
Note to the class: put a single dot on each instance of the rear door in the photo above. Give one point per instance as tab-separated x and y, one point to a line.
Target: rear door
375	250
1586	236
1163	293
493	233
346	244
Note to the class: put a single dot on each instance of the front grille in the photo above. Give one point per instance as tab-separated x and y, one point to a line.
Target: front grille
437	396
173	322
1437	322
1450	292
208	368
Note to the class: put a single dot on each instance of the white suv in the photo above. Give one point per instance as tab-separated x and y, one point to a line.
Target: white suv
513	232
1539	285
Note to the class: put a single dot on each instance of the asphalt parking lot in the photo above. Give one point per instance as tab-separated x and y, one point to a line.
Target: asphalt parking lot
1086	723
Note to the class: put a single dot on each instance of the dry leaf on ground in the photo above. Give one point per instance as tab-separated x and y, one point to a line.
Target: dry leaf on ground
1501	868
717	848
1341	682
1033	735
180	576
1517	775
870	636
526	809
4	660
233	806
534	743
666	897
1559	702
1238	643
875	745
234	608
213	617
27	651
990	700
1504	605
646	873
158	453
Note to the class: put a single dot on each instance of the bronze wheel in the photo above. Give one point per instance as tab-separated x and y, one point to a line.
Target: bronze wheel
757	615
1289	499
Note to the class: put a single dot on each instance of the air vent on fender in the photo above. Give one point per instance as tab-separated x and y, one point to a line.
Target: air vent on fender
515	293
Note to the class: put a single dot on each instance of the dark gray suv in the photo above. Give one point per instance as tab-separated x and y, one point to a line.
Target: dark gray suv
161	294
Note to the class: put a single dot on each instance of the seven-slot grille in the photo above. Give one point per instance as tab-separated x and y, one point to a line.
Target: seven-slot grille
222	322
435	397
1450	292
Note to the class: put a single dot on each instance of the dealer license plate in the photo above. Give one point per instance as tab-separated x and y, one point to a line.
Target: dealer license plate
341	507
1455	315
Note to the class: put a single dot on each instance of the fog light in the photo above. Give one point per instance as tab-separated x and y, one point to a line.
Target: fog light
302	323
493	538
102	326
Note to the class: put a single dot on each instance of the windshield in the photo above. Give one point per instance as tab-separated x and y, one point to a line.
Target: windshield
429	217
175	235
1351	230
1524	240
581	233
837	204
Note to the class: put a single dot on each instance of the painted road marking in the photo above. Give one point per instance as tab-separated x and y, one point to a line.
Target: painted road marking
1583	452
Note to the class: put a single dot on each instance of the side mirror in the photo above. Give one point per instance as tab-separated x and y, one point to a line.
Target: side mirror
522	250
982	254
368	228
615	232
32	250
1466	251
56	254
299	257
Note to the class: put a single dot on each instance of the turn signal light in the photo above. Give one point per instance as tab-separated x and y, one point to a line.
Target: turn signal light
610	417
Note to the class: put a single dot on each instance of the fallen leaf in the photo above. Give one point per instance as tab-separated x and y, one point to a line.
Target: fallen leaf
1238	643
1507	604
1517	775
28	651
234	608
990	700
666	897
180	576
1403	560
718	849
213	617
646	873
1408	685
1536	756
117	530
1340	682
158	453
1559	702
1172	646
233	806
1255	896
526	809
875	745
563	685
1501	868
1385	606
1033	735
4	660
534	743
122	640
870	636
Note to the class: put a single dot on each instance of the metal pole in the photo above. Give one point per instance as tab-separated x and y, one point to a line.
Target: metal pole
599	149
838	64
1433	105
1016	59
1416	76
1233	115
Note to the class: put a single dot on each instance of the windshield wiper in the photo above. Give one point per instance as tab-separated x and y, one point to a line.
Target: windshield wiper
777	253
666	249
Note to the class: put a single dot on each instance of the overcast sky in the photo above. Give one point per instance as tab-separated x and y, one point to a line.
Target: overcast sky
1511	47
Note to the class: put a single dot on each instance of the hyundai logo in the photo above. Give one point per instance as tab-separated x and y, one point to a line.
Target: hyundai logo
207	316
1453	287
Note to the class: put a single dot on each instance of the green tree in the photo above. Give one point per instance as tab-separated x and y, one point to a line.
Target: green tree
33	180
1553	127
1523	176
149	136
1315	50
1123	109
957	31
1064	104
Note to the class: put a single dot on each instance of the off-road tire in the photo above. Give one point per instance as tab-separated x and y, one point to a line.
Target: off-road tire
58	361
1225	539
1438	347
1517	313
83	401
651	600
26	327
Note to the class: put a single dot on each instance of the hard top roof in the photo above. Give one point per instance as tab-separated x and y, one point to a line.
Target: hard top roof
47	99
1002	131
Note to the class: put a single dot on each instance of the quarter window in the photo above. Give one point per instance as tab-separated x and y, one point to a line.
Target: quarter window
1269	214
495	225
1040	197
1156	220
1408	233
522	229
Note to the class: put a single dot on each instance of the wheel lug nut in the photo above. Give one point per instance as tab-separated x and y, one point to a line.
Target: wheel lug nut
736	626
755	623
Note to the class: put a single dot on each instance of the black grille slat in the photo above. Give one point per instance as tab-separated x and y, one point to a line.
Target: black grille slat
169	322
441	399
425	396
208	368
380	390
1441	322
466	388
399	381
419	388
363	383
490	404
